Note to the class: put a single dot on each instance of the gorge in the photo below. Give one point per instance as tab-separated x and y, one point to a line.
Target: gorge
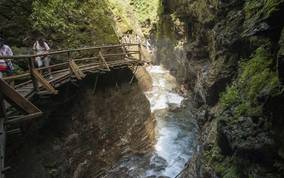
210	104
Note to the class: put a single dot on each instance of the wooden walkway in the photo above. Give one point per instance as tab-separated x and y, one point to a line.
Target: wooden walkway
66	66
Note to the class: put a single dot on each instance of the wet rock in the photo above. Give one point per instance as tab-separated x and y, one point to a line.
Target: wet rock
151	177
144	79
71	139
158	164
246	139
215	89
80	169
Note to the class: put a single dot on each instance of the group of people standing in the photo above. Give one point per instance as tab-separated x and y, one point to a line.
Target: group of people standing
40	47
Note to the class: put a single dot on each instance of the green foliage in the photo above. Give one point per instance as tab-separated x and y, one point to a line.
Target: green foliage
70	23
201	10
255	77
14	23
124	15
131	15
146	9
223	166
231	173
230	97
261	8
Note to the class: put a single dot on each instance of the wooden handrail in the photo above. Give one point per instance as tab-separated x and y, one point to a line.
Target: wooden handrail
66	61
65	51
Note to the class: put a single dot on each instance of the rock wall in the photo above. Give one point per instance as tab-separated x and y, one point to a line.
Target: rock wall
229	53
85	130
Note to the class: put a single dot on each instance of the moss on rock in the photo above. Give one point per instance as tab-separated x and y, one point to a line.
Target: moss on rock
73	23
256	77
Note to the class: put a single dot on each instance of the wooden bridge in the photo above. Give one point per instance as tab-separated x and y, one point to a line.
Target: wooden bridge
67	65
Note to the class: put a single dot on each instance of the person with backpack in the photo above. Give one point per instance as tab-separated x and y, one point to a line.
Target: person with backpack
41	47
6	65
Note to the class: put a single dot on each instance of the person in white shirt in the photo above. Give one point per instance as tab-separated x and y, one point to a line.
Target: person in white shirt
41	47
5	65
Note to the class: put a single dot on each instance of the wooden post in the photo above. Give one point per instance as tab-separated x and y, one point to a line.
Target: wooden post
139	49
74	68
44	82
31	67
68	56
103	61
2	135
69	60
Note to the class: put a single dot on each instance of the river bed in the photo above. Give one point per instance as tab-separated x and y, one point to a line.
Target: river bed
175	132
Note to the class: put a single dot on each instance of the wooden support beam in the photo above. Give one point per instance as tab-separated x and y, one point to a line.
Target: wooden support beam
76	70
104	60
23	118
15	77
14	131
44	82
12	95
2	136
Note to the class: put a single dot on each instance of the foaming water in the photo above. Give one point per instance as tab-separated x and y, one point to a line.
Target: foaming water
175	132
174	129
162	94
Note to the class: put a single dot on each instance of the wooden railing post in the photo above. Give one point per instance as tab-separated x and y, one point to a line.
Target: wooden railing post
68	59
68	56
34	80
139	49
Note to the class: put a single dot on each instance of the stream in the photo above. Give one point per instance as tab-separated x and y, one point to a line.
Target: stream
175	132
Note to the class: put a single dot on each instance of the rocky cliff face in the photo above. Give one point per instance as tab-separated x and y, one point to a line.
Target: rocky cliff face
229	53
85	131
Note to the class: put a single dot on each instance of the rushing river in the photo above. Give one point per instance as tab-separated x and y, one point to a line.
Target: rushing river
175	132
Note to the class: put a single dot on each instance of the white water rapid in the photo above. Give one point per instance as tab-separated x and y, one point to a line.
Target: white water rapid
175	132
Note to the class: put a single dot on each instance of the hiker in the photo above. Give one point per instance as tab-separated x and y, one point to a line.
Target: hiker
5	64
41	47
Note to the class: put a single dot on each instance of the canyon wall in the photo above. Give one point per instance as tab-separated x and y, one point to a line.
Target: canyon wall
230	55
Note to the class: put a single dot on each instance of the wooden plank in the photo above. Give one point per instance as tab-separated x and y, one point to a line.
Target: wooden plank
15	77
17	98
104	60
53	66
59	77
44	82
76	70
23	118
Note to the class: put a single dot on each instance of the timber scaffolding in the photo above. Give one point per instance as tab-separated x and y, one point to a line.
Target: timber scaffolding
67	65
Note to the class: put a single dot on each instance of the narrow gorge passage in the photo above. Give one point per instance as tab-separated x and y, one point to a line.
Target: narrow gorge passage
207	103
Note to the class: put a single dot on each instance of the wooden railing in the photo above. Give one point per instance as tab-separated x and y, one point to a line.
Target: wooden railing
82	57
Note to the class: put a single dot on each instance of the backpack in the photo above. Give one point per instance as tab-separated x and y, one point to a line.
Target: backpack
3	65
